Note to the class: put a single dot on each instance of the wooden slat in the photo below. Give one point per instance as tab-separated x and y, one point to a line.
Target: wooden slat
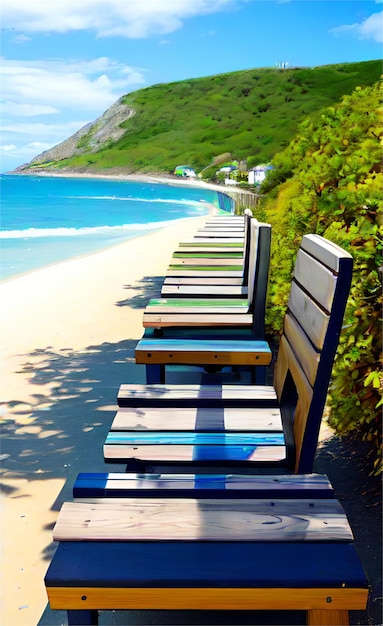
303	387
222	231
195	438
197	352
203	520
195	455
206	272
211	249
220	234
207	395
325	251
190	280
96	485
312	319
155	304
233	241
198	419
199	306
157	320
191	260
219	564
316	279
302	348
233	291
218	598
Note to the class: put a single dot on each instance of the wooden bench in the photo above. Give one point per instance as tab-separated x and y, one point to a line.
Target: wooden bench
311	330
224	312
282	552
313	286
234	259
198	281
187	286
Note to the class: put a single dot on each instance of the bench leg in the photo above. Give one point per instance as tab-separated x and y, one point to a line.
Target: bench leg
258	375
155	374
82	618
321	617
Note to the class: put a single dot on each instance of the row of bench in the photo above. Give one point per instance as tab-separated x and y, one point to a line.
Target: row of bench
190	525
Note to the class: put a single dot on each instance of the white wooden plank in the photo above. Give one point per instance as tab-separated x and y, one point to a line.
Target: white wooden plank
191	418
198	280
158	320
204	290
190	261
324	250
316	279
302	348
205	273
163	393
202	520
312	319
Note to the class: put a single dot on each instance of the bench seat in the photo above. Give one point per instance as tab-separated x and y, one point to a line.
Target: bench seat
267	551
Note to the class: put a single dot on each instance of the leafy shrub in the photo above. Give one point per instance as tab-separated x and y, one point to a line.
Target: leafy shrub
329	181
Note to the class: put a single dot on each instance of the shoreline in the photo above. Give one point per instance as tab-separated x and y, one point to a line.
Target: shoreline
143	178
210	210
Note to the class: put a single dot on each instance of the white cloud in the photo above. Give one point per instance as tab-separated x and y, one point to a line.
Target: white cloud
36	87
8	147
22	38
53	132
370	28
126	18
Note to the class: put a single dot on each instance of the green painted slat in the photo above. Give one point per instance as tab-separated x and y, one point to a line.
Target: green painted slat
210	268
213	255
199	302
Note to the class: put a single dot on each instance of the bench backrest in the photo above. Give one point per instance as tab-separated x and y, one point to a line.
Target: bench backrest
312	325
258	272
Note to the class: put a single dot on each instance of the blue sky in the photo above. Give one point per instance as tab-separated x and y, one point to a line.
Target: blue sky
64	62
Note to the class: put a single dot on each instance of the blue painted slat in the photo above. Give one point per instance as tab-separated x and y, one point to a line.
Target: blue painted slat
195	438
117	485
203	564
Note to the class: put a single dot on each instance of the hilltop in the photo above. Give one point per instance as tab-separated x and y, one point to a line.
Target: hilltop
251	114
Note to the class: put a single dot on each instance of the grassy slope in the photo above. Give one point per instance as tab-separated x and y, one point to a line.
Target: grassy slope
252	114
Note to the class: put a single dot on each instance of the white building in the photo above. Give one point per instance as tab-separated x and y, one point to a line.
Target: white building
258	174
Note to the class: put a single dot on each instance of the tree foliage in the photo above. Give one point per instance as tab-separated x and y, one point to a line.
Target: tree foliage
329	181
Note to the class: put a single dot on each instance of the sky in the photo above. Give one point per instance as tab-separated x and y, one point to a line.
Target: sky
64	62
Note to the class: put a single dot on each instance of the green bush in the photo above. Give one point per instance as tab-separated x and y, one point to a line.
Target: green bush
329	181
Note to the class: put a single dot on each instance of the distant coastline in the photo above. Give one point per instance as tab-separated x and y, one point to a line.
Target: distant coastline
143	178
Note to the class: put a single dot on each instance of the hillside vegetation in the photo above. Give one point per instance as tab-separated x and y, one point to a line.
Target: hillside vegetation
329	181
251	114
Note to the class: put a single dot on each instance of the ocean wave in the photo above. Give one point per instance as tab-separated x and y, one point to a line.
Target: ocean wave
184	202
78	232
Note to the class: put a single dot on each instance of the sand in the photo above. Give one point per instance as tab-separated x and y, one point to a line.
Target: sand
68	334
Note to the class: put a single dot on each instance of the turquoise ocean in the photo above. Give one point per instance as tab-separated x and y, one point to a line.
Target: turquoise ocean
45	220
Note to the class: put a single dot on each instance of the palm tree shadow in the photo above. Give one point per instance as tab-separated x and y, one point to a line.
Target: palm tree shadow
148	287
61	430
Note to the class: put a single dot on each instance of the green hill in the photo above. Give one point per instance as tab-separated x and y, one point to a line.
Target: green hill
251	114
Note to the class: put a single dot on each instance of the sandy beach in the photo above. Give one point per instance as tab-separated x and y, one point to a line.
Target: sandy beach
68	334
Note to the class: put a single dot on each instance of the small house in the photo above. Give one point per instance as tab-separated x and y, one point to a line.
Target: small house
185	171
257	174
